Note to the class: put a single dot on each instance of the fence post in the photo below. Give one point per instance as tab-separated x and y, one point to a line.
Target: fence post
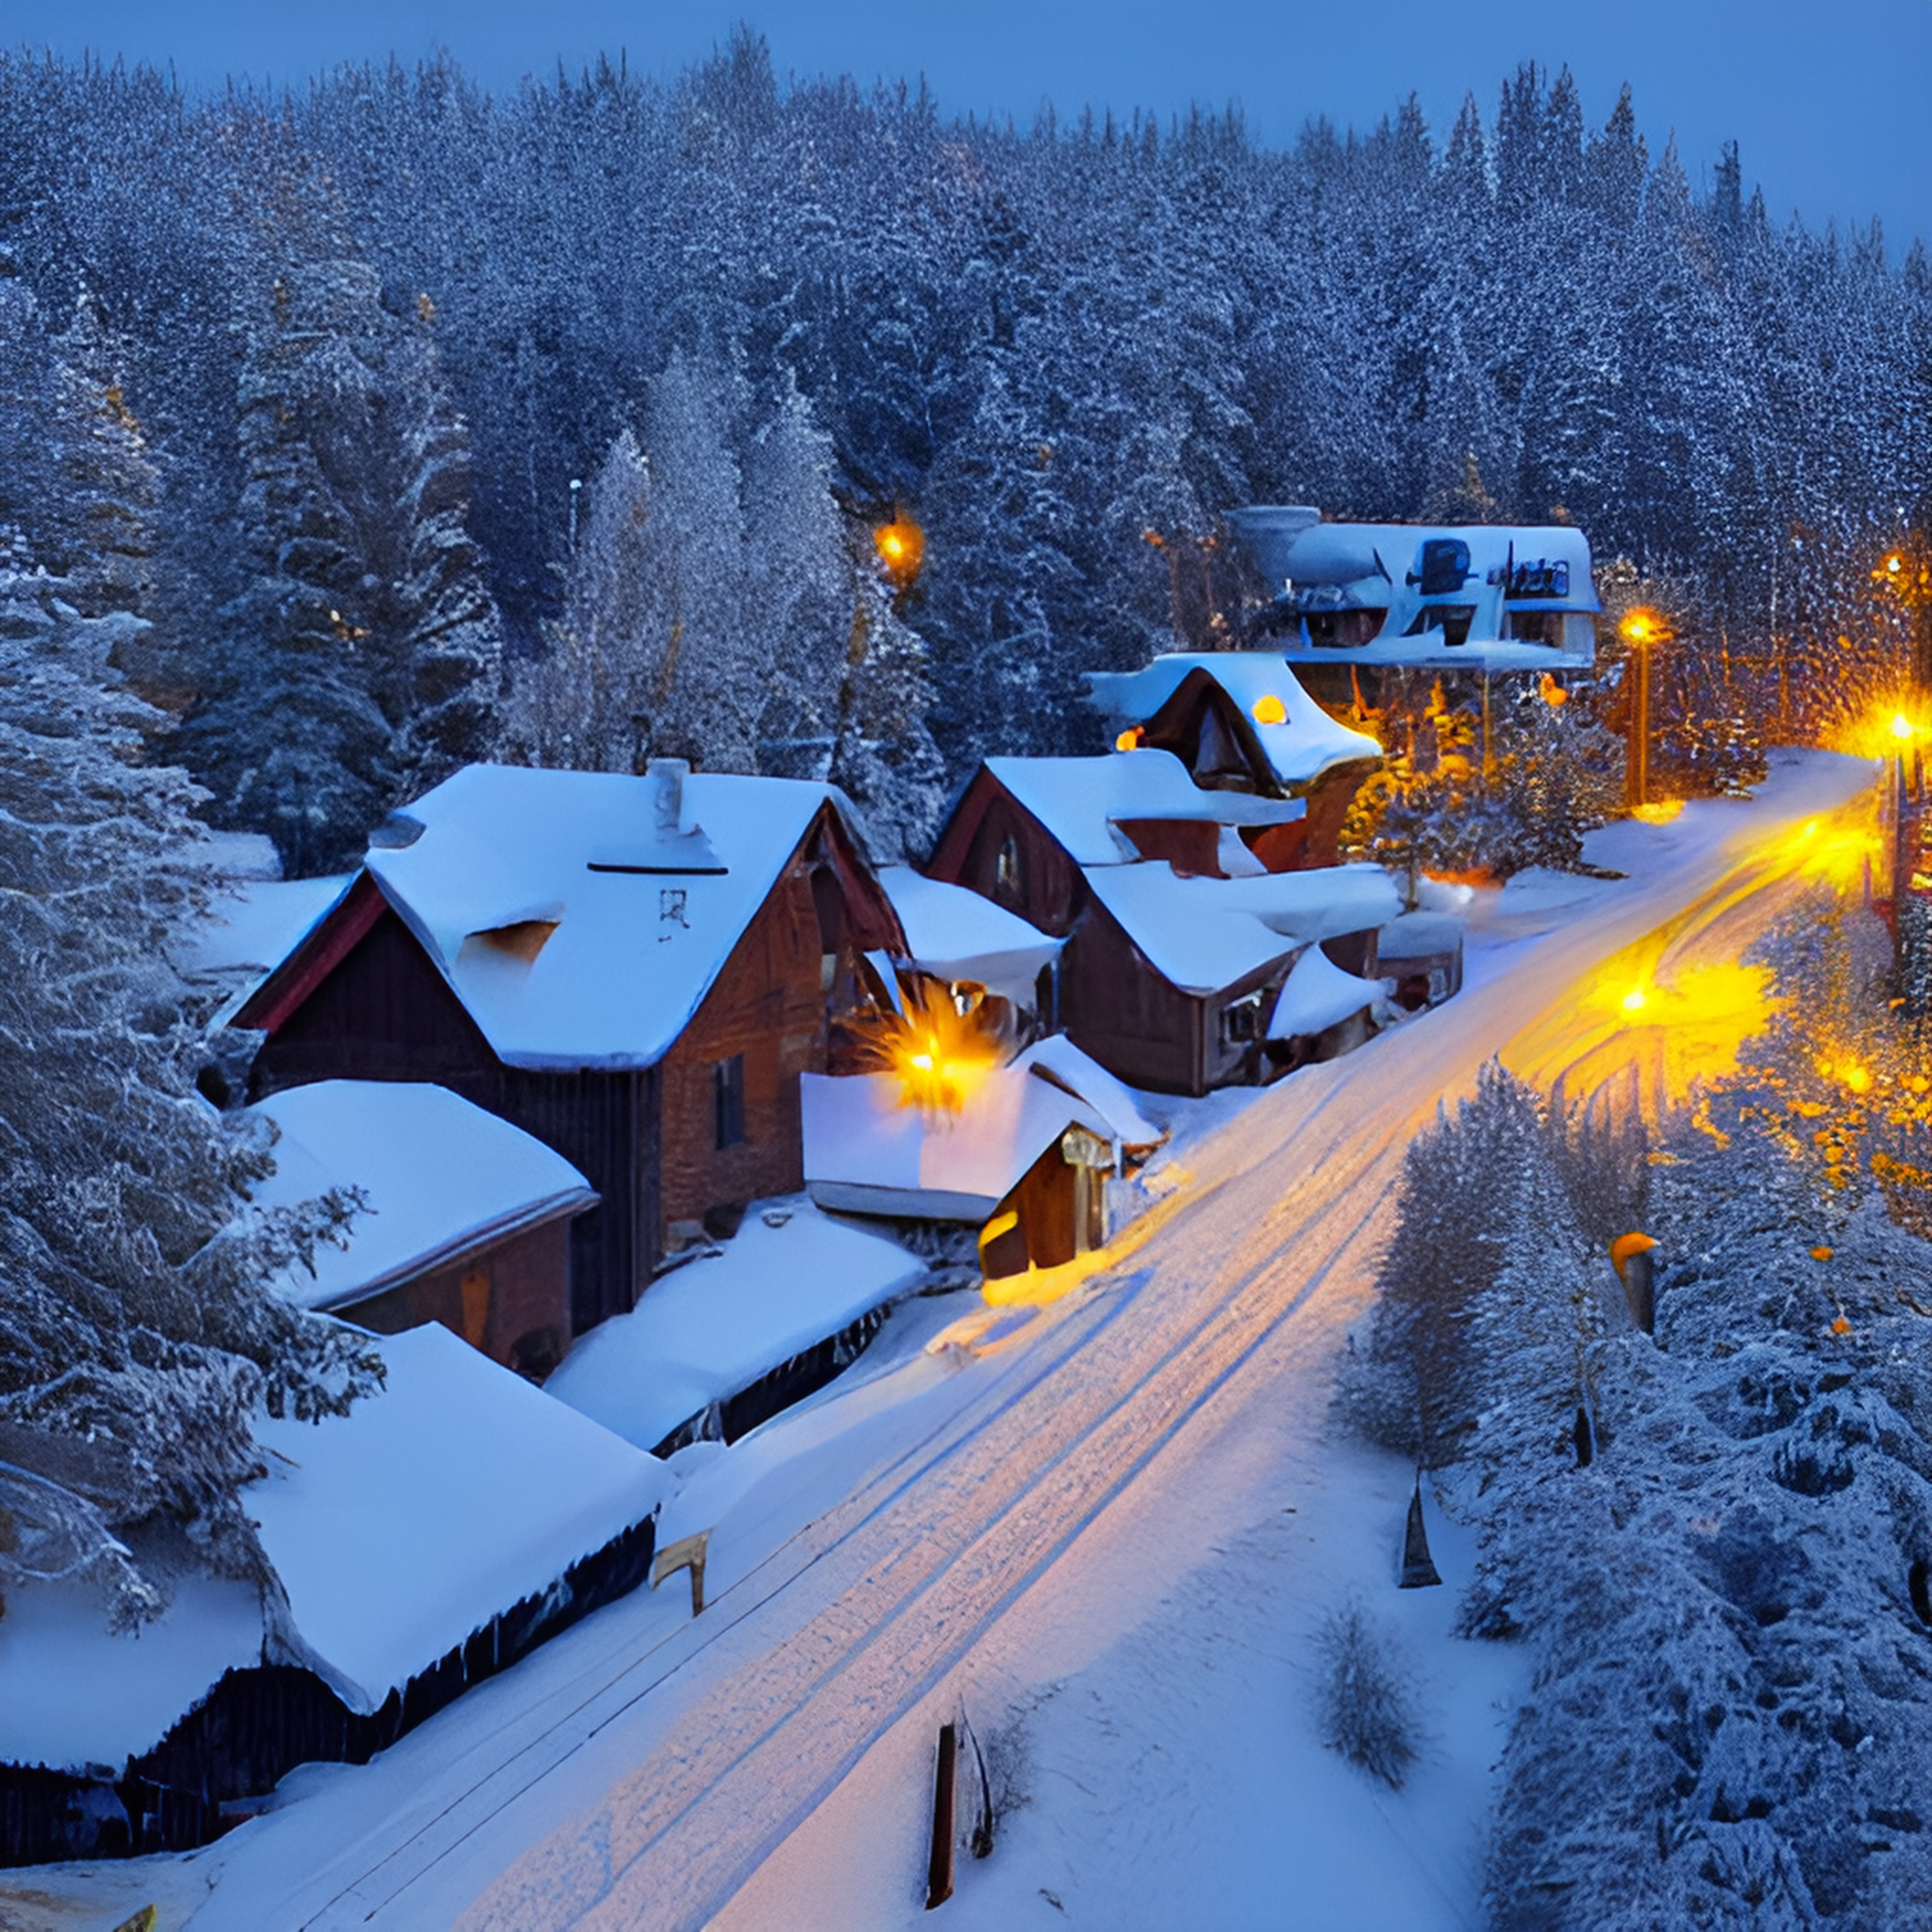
939	1871
1418	1568
688	1552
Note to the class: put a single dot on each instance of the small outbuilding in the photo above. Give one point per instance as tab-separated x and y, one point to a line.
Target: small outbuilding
1421	951
727	1339
466	1219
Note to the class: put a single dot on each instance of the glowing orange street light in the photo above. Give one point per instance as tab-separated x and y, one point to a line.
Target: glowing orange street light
901	546
1641	630
1900	725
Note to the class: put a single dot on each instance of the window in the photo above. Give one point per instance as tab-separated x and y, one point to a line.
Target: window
1006	867
728	1100
1240	1019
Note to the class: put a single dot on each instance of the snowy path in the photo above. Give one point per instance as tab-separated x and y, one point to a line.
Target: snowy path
640	1771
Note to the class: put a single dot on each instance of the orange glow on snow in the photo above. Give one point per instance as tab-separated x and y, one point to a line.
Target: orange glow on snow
1659	811
1129	739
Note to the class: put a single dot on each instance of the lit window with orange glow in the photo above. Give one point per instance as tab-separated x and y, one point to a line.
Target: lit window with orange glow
1269	710
1129	739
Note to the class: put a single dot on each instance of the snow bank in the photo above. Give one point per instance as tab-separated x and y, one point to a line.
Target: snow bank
1080	800
955	934
867	1154
402	1527
632	951
790	1278
1204	934
72	1695
1301	747
1318	994
441	1176
256	923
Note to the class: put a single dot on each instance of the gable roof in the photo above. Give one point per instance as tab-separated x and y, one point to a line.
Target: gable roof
1300	749
1204	934
1318	994
577	931
442	1178
1082	802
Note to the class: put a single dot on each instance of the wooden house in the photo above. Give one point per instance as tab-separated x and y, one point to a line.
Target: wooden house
466	1219
1240	720
635	971
1179	932
439	1531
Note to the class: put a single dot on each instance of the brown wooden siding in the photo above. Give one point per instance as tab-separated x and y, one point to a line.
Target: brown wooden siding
1330	797
509	1300
1114	1005
1050	892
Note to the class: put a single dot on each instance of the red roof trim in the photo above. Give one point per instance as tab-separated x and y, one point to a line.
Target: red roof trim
321	951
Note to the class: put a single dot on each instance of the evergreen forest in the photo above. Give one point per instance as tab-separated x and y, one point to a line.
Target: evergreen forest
411	425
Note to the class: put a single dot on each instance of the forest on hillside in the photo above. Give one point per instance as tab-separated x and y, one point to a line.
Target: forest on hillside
415	424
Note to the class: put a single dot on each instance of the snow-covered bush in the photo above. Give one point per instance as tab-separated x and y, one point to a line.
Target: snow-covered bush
1367	1710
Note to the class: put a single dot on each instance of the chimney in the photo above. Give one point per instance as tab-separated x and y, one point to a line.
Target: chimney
667	777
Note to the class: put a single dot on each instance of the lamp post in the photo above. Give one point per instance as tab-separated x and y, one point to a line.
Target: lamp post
1641	630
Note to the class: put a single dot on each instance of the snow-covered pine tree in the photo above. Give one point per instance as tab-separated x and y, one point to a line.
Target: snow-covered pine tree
137	1329
362	661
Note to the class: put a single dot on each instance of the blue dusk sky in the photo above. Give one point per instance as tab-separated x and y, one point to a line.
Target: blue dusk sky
1827	103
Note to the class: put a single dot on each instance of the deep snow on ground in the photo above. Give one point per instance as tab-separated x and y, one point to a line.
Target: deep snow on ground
1107	1529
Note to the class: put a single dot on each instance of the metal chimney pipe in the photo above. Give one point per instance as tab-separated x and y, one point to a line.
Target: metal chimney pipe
667	777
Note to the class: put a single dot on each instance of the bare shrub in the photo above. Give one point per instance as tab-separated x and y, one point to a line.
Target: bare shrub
1368	1713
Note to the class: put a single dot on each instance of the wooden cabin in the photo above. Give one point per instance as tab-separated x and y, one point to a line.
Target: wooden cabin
466	1221
1240	720
1179	933
635	971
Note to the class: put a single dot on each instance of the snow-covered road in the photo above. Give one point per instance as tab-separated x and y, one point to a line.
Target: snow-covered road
640	1771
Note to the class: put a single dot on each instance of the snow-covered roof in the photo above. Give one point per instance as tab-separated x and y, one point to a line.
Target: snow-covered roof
1300	747
442	1178
787	1279
1202	933
639	922
1418	934
955	934
866	1153
1056	1059
1318	994
1082	801
73	1695
402	1527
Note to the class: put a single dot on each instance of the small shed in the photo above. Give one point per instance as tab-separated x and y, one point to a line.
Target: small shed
1321	1012
440	1530
1022	1158
1421	951
729	1338
467	1219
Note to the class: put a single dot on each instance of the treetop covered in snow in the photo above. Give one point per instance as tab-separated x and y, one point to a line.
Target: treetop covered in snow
1299	739
1083	801
868	1153
1204	934
576	928
1468	596
955	934
438	1176
788	1278
399	1529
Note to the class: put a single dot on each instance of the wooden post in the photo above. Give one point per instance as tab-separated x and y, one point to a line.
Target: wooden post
1639	730
938	1870
1640	1293
688	1552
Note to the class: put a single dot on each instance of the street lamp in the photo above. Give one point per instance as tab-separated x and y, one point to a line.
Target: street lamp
901	546
1641	630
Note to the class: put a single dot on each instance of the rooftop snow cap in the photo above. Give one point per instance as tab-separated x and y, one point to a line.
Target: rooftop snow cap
670	848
